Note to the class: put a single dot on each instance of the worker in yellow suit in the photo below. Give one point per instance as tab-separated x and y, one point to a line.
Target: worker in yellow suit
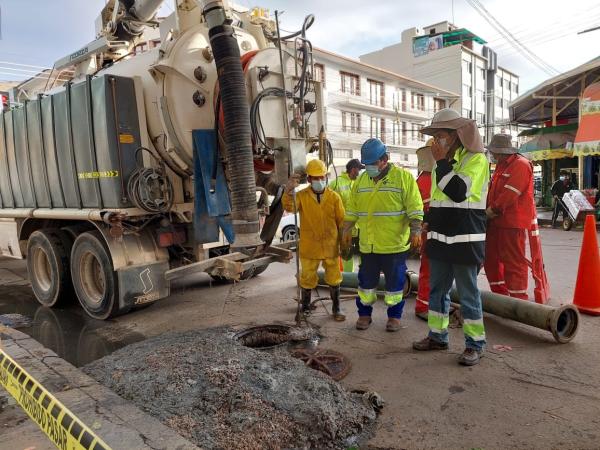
321	220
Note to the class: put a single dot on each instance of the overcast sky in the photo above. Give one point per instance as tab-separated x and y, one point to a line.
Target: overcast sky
39	32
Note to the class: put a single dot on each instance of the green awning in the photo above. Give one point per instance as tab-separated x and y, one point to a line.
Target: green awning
548	130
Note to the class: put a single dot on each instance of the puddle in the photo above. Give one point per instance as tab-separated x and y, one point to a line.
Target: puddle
68	332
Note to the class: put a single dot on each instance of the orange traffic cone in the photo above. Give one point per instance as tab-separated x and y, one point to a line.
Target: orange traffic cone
587	289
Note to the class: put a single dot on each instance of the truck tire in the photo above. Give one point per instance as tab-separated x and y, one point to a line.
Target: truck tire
94	279
48	254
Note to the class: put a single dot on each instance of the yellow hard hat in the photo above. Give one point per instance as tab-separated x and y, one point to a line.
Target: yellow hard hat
316	168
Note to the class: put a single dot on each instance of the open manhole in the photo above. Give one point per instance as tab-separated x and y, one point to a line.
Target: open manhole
333	363
264	337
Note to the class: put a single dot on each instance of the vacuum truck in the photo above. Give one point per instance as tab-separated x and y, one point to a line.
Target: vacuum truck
156	151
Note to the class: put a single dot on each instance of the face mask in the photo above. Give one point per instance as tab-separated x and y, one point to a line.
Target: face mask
318	185
562	178
372	170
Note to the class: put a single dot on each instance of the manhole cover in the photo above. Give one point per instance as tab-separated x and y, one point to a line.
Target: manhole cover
333	363
264	336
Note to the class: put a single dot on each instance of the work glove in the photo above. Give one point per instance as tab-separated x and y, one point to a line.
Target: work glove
415	241
489	212
292	184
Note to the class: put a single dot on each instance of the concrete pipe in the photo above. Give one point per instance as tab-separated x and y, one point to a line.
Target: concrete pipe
562	322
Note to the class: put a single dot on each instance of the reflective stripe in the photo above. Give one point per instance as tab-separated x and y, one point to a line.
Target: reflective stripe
458	239
393	298
420	300
517	292
369	189
463	205
535	232
382	214
534	221
496	283
415	213
367	296
438	322
427	200
512	188
350	213
445	180
342	188
506	175
390	189
474	329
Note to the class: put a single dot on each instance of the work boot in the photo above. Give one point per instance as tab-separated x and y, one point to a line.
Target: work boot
306	296
422	315
336	310
429	344
363	322
392	324
470	357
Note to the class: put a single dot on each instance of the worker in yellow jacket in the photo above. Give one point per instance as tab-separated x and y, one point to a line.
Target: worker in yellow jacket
321	221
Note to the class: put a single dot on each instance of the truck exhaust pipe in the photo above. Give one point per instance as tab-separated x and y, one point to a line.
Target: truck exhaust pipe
238	138
562	322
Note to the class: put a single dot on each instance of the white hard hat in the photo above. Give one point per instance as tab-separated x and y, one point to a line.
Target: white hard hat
444	115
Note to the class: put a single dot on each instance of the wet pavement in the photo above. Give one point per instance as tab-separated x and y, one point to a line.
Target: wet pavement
68	332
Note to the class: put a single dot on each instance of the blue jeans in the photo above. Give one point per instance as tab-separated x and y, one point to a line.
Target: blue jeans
442	276
393	266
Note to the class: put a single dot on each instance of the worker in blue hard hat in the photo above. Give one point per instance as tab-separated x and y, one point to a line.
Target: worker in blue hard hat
386	206
321	219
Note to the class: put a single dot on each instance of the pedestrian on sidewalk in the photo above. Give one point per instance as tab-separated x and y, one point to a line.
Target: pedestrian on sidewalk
343	186
559	189
425	167
456	224
511	212
321	220
386	206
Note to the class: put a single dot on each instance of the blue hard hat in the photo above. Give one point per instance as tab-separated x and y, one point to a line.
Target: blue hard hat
372	151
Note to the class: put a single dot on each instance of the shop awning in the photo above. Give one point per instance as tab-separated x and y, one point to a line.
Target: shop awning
549	142
587	141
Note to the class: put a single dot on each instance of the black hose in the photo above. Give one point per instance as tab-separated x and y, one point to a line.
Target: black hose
237	134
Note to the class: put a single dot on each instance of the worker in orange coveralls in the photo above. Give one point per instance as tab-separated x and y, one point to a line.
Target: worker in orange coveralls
425	167
511	212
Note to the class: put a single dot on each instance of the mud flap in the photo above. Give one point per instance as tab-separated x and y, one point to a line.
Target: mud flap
142	284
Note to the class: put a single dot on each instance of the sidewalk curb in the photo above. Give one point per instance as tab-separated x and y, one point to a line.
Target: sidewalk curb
119	423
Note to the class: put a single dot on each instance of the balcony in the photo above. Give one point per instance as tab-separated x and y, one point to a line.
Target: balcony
364	103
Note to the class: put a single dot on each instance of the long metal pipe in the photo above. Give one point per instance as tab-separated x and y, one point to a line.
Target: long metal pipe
562	322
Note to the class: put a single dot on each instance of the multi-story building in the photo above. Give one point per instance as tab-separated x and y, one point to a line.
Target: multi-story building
459	61
364	101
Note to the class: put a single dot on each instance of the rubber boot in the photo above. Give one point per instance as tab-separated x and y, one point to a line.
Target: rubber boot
338	314
306	296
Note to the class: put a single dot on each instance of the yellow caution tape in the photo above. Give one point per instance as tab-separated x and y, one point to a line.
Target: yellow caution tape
65	430
94	175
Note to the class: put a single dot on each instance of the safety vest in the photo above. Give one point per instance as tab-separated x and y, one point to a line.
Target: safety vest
384	209
511	194
456	217
342	185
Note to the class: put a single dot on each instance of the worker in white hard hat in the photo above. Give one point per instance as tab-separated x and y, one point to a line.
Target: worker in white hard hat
321	221
456	226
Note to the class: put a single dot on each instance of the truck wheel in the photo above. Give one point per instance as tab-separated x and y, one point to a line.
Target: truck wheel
48	253
567	224
94	278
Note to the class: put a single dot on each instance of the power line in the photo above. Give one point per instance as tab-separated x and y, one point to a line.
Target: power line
523	50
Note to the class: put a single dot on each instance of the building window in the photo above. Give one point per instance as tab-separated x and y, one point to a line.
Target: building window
403	99
467	66
351	122
404	133
438	103
467	90
378	128
481	95
516	88
509	86
320	74
482	72
376	93
415	132
350	83
417	101
480	118
499	81
395	132
466	113
499	102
